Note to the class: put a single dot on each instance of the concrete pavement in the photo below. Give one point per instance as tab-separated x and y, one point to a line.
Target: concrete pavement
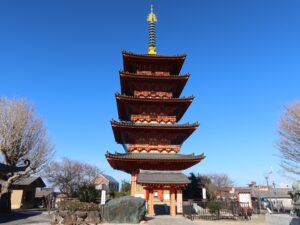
170	220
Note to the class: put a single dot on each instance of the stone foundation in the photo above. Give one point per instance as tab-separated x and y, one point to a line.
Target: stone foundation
281	219
78	218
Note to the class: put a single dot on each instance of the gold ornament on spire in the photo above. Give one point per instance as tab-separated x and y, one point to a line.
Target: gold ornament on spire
152	40
151	17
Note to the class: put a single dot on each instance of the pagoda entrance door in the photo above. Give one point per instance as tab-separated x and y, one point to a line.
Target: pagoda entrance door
163	201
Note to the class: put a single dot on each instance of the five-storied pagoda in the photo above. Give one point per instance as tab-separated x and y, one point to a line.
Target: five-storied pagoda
149	108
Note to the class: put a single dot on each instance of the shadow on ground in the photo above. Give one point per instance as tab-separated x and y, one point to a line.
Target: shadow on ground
13	216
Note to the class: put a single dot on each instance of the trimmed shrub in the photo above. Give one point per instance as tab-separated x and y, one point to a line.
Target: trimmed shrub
75	205
214	207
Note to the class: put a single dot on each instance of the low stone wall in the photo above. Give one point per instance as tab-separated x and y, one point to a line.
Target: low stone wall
78	218
281	219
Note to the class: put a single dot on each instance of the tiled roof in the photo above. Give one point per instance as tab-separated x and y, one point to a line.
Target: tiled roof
162	177
25	181
154	56
128	123
155	76
160	156
160	100
110	178
272	193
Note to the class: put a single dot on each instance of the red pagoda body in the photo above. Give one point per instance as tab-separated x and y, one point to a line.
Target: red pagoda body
149	108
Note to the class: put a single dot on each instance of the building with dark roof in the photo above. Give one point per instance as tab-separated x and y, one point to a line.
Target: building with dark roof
24	190
107	183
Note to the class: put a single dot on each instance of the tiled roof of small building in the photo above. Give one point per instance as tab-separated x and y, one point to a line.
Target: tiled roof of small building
26	181
110	178
161	177
272	193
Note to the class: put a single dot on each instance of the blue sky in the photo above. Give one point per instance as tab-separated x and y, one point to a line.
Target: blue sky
243	57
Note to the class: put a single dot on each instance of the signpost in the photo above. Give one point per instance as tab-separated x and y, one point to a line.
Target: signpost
203	193
103	197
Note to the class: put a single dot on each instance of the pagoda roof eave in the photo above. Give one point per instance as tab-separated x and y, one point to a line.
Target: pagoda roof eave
179	105
134	162
155	76
128	132
164	100
173	83
155	125
173	63
155	156
157	56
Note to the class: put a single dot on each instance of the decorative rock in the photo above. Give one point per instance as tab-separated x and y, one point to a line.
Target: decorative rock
63	213
81	214
125	209
53	218
93	217
75	218
69	220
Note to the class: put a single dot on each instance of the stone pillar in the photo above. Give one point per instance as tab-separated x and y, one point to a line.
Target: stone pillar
151	203
173	203
179	201
133	184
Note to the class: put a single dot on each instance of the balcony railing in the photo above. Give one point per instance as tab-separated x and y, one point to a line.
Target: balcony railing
153	148
153	119
153	94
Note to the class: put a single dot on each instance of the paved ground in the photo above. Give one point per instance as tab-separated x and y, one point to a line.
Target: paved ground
170	220
25	217
256	220
41	218
179	220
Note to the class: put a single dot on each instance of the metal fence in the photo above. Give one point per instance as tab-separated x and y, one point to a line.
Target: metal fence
215	210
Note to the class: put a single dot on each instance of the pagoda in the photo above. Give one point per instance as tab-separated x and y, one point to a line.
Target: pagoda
149	108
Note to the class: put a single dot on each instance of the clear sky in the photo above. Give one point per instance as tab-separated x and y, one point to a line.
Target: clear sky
243	56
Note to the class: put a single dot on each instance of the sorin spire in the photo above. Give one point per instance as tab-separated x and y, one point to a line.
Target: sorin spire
152	40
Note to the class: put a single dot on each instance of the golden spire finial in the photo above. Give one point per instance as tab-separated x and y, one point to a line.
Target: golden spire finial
152	42
151	17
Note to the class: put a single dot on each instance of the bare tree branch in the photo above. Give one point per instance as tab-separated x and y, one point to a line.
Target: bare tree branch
67	175
22	136
289	139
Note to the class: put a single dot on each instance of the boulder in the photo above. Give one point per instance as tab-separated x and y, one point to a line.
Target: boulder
125	209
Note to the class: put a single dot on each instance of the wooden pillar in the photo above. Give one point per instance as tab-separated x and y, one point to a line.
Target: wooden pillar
179	201
160	195
133	184
146	194
173	202
151	203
